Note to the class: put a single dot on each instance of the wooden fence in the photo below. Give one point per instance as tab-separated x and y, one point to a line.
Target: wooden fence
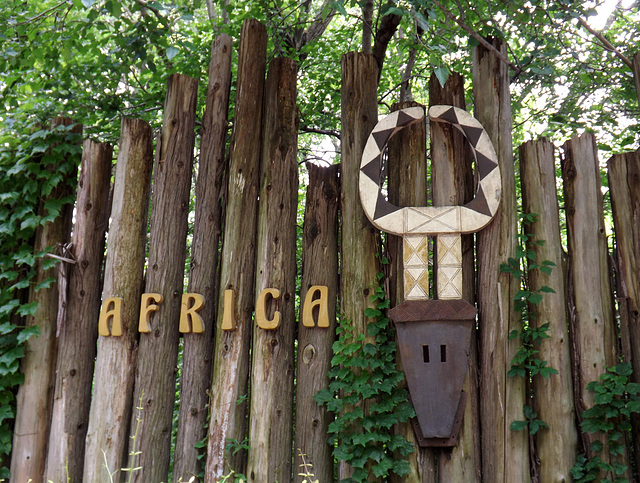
100	383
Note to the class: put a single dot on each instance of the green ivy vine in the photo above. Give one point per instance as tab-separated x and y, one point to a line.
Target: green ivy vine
33	162
365	395
526	363
615	400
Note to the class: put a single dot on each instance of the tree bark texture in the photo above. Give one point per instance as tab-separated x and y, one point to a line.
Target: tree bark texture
636	74
34	401
79	330
553	397
408	187
504	452
624	186
319	267
359	239
229	386
154	388
452	182
271	409
197	357
591	315
111	403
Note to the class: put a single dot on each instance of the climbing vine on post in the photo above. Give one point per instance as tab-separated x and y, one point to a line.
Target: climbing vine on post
26	202
365	395
526	362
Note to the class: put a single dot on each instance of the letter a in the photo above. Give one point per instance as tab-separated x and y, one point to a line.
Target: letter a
191	313
114	313
321	302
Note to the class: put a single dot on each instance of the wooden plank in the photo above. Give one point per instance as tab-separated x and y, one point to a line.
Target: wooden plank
197	357
271	410
112	404
150	430
408	187
553	397
319	268
78	332
452	182
34	401
229	386
359	239
504	452
624	186
591	316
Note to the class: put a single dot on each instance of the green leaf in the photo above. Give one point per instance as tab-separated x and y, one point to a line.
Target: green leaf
172	51
442	74
518	425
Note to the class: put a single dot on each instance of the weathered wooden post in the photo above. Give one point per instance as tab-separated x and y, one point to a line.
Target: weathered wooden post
197	358
231	368
271	409
433	335
553	397
123	278
154	388
78	331
319	268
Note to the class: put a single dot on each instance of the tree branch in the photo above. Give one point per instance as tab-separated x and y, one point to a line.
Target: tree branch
478	37
388	26
314	130
605	43
42	14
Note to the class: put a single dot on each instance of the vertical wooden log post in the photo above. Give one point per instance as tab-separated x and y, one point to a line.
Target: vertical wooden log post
34	400
79	330
636	74
229	386
591	316
553	397
154	389
197	357
408	187
504	452
271	409
359	239
452	182
624	186
111	403
319	267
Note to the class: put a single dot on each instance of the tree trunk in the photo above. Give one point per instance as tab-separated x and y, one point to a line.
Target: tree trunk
504	452
452	181
624	185
154	389
197	357
553	397
229	387
34	401
590	305
111	404
78	333
319	267
359	239
271	410
408	187
636	74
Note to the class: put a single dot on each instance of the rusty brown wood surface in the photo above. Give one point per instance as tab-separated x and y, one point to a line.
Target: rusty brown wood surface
359	239
624	186
505	455
111	403
552	397
154	388
228	405
197	357
34	401
319	267
79	330
271	407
